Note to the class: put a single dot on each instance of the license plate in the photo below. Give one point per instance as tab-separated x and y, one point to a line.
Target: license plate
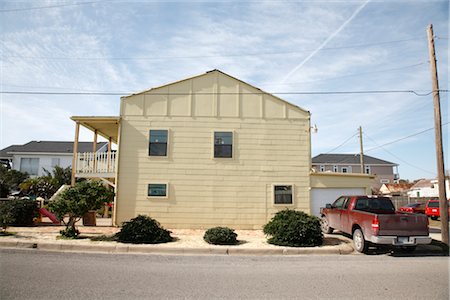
403	239
434	210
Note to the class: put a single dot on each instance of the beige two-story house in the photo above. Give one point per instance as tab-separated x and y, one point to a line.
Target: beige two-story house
205	151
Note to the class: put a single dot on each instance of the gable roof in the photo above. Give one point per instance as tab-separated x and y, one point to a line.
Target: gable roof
4	152
398	187
47	147
351	159
223	73
423	183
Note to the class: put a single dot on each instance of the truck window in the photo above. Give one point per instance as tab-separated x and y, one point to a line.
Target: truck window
347	202
339	203
377	205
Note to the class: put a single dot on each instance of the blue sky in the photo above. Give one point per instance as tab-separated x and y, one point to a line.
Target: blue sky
279	46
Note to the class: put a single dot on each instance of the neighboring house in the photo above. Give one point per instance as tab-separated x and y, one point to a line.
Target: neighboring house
395	189
206	151
350	163
35	156
427	188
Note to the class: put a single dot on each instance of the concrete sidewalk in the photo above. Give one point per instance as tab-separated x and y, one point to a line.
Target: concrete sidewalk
187	241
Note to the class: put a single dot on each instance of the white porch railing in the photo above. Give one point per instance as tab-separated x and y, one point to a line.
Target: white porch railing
91	163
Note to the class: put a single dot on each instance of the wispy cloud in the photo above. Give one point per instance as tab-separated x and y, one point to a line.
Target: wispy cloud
324	43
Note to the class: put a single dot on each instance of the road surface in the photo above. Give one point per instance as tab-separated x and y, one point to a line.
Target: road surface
34	274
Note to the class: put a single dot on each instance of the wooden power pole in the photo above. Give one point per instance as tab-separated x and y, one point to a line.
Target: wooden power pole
361	152
443	204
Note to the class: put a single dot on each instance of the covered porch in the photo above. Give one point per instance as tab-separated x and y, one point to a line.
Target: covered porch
100	163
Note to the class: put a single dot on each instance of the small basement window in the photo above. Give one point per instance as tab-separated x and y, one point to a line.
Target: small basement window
158	143
157	190
223	144
283	194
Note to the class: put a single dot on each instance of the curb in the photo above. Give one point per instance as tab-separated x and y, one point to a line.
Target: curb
343	249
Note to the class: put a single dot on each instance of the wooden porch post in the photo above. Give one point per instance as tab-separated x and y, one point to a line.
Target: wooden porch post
75	152
109	154
94	150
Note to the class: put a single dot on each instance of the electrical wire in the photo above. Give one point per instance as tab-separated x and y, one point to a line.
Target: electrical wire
205	56
345	142
351	75
220	93
400	159
404	138
45	7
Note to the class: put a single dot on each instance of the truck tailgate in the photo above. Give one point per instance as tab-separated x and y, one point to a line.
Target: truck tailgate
403	224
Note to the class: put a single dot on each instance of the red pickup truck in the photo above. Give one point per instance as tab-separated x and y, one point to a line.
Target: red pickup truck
373	220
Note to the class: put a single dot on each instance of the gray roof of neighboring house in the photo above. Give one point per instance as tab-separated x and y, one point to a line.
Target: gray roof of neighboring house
351	159
48	147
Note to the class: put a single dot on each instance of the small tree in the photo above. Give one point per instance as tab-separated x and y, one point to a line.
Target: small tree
60	175
10	180
42	186
77	201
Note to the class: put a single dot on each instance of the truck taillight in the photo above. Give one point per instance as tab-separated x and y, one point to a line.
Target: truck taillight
375	225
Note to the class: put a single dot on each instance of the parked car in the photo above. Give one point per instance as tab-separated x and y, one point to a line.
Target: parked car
416	208
373	220
432	209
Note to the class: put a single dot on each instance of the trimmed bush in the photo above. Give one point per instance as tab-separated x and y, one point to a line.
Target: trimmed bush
294	228
20	211
143	230
220	236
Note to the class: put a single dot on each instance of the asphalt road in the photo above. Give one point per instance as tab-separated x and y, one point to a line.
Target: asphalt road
34	274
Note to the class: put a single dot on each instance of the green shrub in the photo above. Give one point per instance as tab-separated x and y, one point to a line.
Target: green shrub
220	236
69	233
294	228
143	230
6	216
19	212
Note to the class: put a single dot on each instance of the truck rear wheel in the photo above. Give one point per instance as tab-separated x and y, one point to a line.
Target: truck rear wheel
359	242
325	226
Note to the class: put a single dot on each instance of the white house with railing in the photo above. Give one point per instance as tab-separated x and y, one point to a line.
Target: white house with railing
95	164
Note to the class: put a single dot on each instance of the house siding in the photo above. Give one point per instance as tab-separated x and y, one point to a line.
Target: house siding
45	161
271	146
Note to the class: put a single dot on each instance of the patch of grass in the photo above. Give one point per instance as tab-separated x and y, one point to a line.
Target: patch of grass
7	233
104	238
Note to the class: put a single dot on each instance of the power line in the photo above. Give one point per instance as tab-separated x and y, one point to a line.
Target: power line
353	74
45	7
403	138
345	142
206	56
400	159
221	93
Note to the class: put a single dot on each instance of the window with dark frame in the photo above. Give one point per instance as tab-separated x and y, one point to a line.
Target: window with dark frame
223	144
157	143
157	190
283	194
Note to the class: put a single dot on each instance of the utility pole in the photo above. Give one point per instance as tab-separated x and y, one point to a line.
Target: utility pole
361	152
443	204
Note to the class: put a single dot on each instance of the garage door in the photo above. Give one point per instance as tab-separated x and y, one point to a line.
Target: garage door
320	197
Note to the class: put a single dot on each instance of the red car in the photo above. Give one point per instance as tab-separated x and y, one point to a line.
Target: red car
432	209
416	208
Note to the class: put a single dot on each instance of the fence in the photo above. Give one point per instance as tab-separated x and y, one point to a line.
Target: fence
400	201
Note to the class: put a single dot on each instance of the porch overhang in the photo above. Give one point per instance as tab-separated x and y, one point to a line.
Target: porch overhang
107	127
